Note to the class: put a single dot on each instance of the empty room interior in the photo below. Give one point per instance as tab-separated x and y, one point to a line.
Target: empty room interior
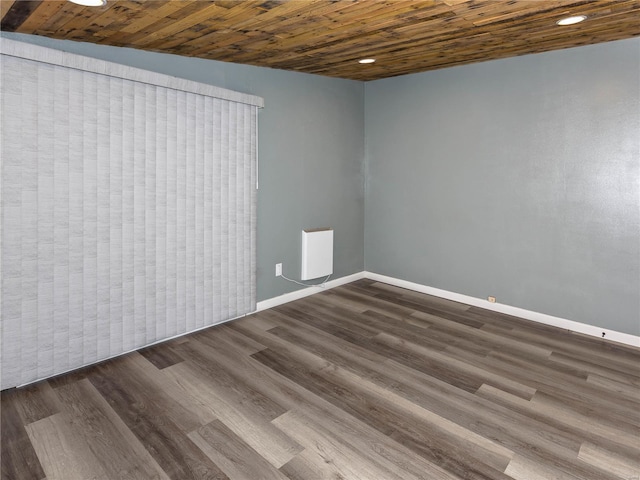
320	239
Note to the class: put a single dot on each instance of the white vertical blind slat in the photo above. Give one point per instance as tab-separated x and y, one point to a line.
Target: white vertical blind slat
12	220
190	214
216	211
76	221
29	315
161	215
139	214
103	221
150	227
231	207
207	222
45	221
225	254
247	198
172	213
198	173
181	218
128	215
61	132
116	219
90	204
127	340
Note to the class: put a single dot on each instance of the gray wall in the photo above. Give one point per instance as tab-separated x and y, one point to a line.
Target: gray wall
517	178
311	149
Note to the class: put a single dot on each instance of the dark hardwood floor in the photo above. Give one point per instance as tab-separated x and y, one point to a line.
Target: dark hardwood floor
365	381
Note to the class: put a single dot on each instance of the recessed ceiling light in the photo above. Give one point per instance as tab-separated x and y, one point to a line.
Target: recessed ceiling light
90	3
572	20
367	60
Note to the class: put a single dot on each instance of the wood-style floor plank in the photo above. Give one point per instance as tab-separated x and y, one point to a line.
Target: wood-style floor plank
232	454
18	457
366	381
326	450
35	402
162	356
155	429
523	468
93	421
609	459
134	380
63	453
565	420
249	424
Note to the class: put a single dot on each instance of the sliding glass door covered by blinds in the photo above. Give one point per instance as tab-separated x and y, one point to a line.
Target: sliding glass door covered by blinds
128	209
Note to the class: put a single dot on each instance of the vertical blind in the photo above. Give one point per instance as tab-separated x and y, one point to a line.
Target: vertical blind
128	209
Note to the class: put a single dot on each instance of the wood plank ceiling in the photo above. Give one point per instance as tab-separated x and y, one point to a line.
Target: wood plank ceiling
328	37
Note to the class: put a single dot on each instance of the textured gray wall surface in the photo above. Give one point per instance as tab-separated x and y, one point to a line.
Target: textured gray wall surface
311	153
517	178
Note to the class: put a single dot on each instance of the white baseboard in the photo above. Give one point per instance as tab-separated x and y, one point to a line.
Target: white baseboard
543	318
563	323
305	292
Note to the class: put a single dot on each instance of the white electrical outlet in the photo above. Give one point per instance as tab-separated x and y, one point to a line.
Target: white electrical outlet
492	299
278	269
